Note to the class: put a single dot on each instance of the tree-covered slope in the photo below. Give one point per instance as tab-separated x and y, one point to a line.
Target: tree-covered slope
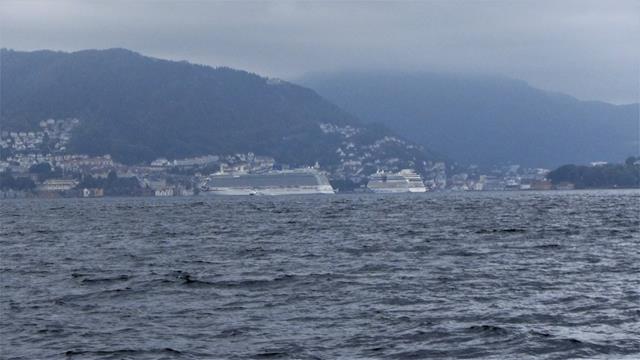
625	175
139	108
484	119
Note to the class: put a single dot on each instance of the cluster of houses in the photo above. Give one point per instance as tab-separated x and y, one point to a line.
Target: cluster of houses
22	151
161	177
511	177
180	177
54	135
357	161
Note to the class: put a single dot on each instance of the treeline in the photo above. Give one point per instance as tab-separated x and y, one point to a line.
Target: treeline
625	175
113	185
41	172
45	171
9	182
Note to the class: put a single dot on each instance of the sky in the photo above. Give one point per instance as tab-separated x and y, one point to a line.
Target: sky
588	49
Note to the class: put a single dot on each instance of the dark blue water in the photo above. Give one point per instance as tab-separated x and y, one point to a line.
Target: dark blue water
486	275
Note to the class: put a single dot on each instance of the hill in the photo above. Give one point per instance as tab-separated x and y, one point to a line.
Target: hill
139	108
485	119
604	176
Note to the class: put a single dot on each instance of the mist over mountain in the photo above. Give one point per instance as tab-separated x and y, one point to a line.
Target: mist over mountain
138	108
486	119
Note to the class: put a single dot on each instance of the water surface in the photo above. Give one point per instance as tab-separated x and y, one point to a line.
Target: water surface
548	275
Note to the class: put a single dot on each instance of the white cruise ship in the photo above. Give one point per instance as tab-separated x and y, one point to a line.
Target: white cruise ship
287	182
414	179
407	180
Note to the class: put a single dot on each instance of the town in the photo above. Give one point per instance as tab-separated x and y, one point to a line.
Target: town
37	164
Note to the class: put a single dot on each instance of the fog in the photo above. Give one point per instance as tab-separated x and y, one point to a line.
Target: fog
588	49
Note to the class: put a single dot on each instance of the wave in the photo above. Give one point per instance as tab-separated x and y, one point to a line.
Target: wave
506	231
122	352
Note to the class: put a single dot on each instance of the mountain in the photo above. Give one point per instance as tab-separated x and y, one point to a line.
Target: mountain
139	108
486	119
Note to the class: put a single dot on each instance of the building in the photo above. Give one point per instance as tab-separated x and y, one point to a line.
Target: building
96	192
565	186
58	185
541	185
164	192
160	162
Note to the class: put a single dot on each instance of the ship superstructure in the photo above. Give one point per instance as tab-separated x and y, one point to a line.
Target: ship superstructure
407	180
414	179
286	182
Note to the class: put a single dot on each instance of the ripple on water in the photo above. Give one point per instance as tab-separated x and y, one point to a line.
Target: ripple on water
478	275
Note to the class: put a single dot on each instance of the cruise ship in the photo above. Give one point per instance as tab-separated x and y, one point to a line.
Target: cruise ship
406	180
286	182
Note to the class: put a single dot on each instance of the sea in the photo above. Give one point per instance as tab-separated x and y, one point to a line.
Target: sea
477	275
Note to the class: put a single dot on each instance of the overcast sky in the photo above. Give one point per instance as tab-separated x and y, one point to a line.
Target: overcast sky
588	49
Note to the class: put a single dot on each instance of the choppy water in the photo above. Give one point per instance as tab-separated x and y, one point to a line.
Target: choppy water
487	275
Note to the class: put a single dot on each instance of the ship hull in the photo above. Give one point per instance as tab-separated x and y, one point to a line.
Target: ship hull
389	190
293	182
269	191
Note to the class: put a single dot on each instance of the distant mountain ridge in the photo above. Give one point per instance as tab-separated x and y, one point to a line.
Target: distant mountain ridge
486	119
138	108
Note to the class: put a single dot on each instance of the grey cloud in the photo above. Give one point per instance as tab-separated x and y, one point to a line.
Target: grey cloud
585	48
